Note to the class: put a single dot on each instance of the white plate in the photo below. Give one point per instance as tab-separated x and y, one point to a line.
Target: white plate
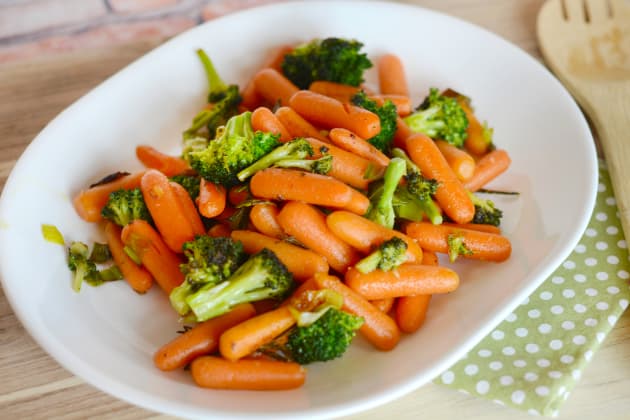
107	335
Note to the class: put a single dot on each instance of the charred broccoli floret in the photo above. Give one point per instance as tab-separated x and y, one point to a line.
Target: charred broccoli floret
485	211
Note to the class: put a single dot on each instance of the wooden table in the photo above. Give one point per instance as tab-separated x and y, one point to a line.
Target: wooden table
34	386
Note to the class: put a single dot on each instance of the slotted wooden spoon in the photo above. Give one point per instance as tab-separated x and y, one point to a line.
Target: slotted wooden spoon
586	43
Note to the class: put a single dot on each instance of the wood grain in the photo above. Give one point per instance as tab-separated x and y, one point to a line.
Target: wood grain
34	386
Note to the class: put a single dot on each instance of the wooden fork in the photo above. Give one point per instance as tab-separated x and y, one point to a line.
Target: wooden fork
586	43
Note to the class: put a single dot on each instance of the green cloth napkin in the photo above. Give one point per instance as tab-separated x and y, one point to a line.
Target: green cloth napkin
534	358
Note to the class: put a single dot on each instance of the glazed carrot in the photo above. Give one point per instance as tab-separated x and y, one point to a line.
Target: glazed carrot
476	141
482	245
189	208
460	161
383	305
212	199
450	195
303	287
430	258
354	170
265	120
476	226
352	143
378	328
153	158
264	217
249	374
219	230
302	263
274	87
331	113
138	277
402	132
296	125
411	311
156	256
402	103
364	234
341	92
237	194
391	76
405	280
89	203
166	209
308	225
288	184
250	98
247	336
489	166
202	339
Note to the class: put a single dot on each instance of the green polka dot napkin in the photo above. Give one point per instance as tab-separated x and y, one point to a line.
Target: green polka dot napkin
533	359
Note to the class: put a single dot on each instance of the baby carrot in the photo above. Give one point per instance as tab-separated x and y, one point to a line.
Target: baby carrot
308	225
212	199
244	338
352	143
219	230
460	161
331	113
166	209
250	98
341	92
482	245
391	75
138	277
402	132
378	328
411	311
302	263
296	125
153	158
476	226
476	141
188	207
488	167
237	194
405	280
348	167
402	102
450	194
89	203
383	305
265	120
156	256
364	234
323	190
274	87
264	217
249	374
202	339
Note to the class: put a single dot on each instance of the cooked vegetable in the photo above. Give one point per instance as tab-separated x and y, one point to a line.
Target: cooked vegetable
382	208
125	206
389	255
387	114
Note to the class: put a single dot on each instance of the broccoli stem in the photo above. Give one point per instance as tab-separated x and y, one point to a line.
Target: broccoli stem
294	150
369	263
383	211
400	153
321	166
216	85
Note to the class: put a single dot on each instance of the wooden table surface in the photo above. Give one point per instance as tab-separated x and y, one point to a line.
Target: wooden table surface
34	386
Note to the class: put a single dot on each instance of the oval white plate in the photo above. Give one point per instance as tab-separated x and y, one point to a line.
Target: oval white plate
107	335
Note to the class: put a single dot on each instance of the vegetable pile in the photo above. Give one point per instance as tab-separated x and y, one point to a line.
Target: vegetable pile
306	208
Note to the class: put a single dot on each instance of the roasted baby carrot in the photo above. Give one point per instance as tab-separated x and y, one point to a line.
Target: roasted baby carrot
265	120
378	328
264	217
296	125
352	143
274	87
202	339
480	245
331	113
307	224
450	194
138	277
488	167
247	336
212	198
340	92
249	374
250	98
405	280
302	263
188	207
391	76
156	256
323	190
460	161
153	158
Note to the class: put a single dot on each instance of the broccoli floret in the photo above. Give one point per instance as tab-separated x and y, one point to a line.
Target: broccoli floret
440	117
381	208
321	166
80	265
485	211
125	206
191	184
193	144
327	338
224	99
389	255
456	246
209	262
333	59
236	147
386	113
262	276
296	149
